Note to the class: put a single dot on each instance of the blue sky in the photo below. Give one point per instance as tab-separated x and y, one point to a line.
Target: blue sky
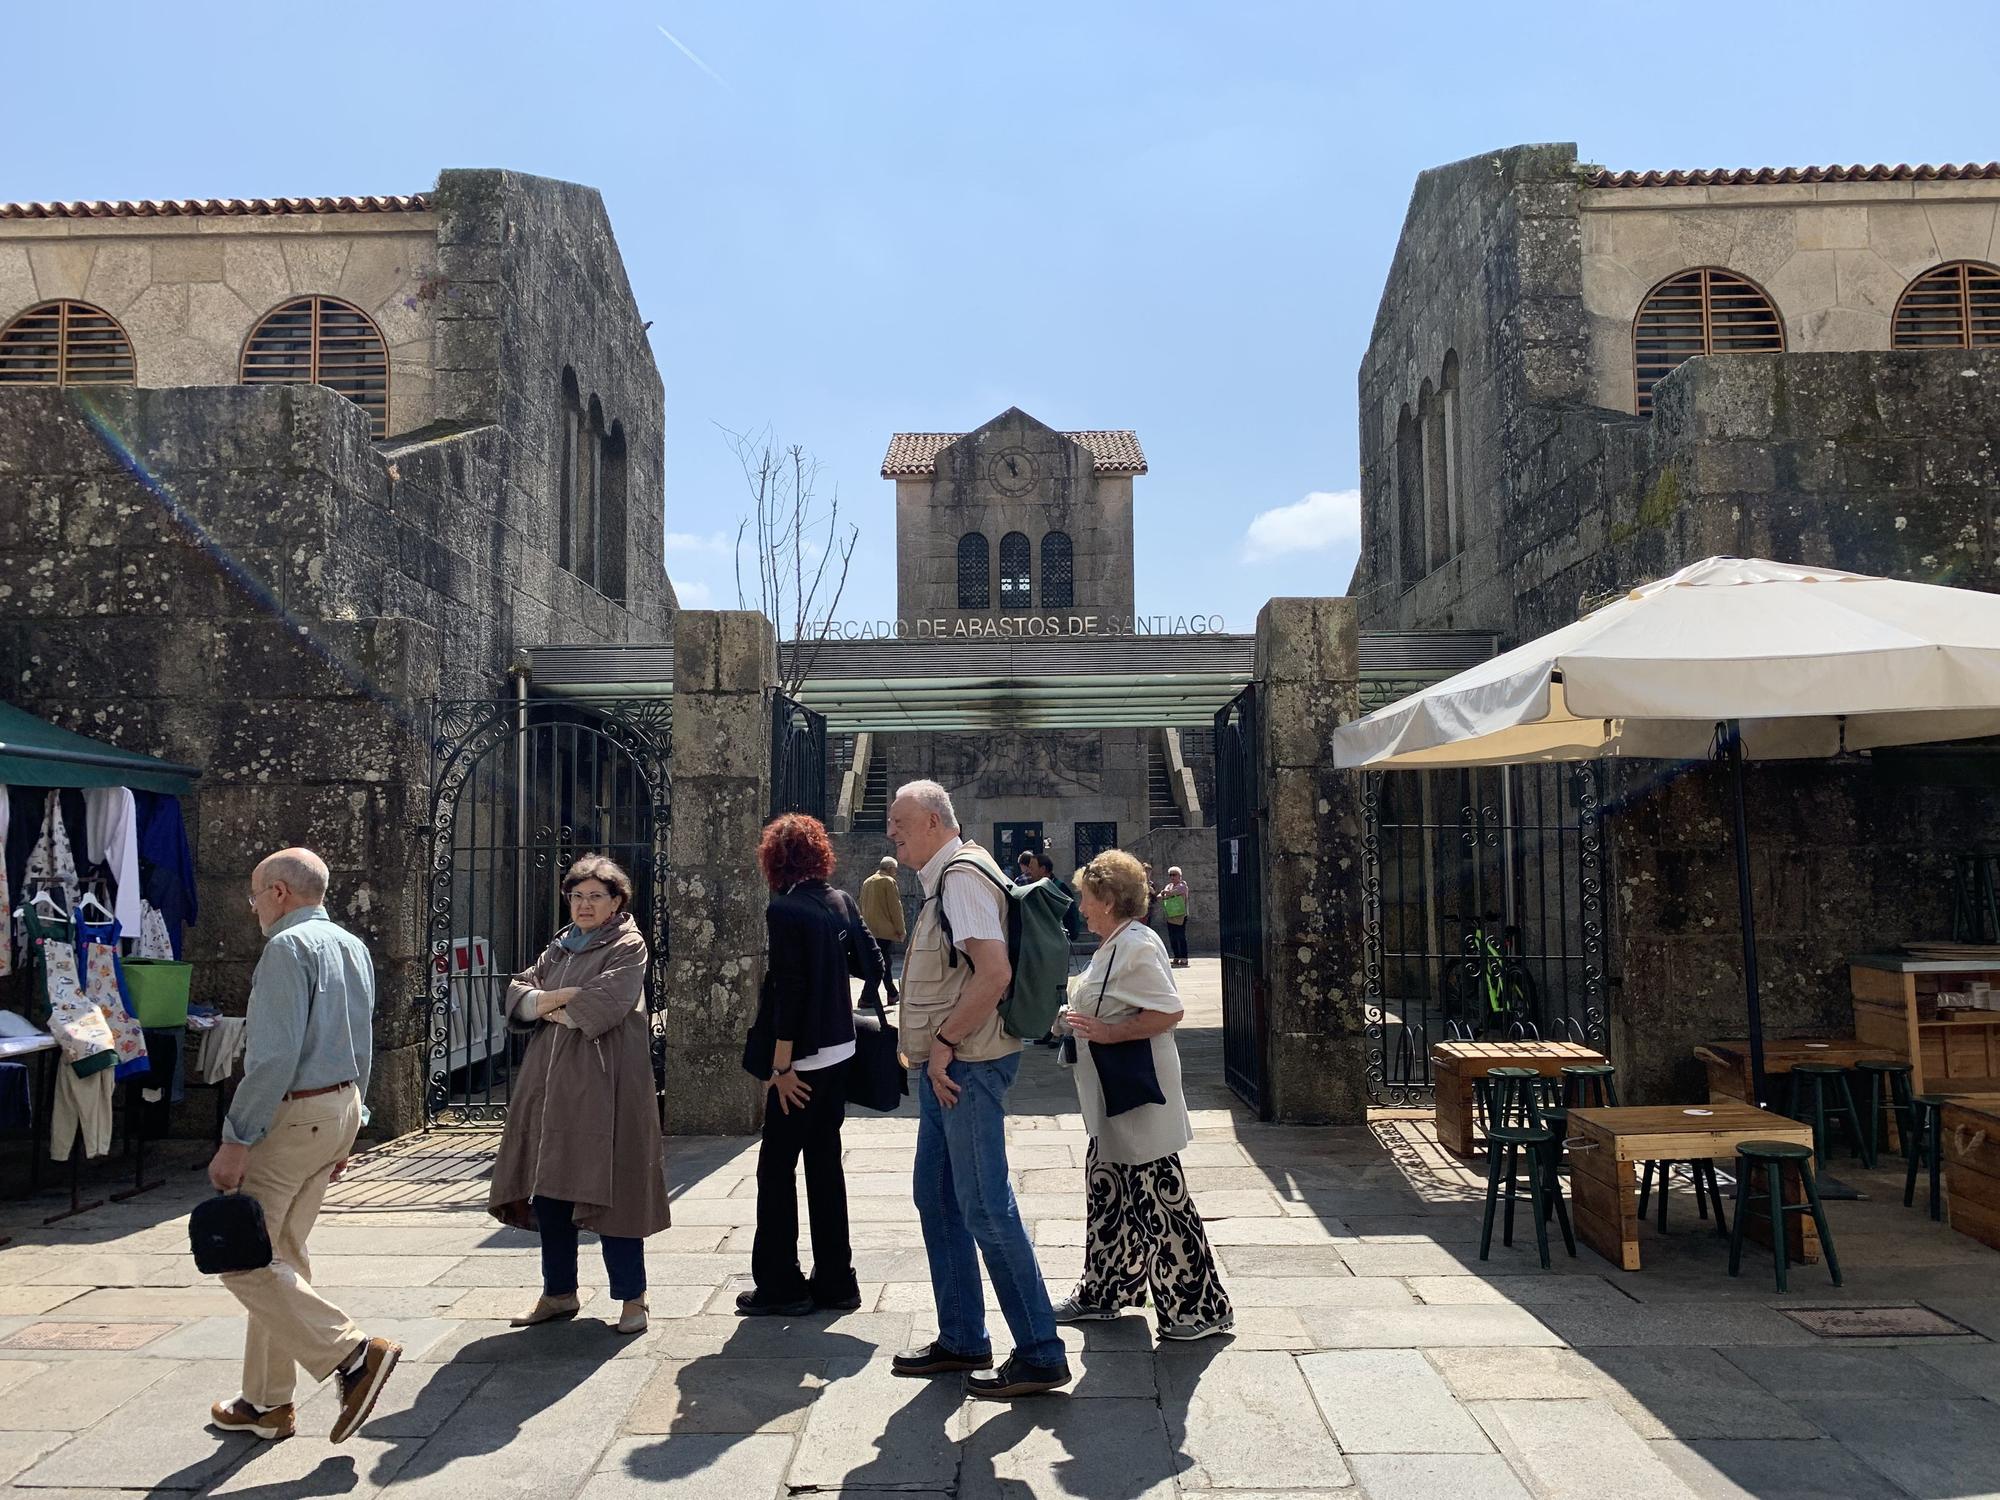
850	219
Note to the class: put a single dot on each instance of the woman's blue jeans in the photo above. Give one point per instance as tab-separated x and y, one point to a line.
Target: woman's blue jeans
624	1258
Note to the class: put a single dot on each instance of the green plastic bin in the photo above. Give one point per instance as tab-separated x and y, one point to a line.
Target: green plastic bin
159	990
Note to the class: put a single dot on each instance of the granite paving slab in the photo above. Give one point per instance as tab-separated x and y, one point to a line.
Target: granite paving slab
871	1429
1578	1450
1708	1324
18	1450
727	1395
1739	1470
1890	1374
1243	1420
361	1467
1093	1450
1281	1260
1389	1401
693	1466
1929	1446
1317	1291
416	1402
179	1451
1975	1368
1436	1476
53	1398
1423	1327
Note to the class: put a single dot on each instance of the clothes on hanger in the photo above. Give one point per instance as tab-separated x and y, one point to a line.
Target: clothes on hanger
221	1050
166	864
111	837
79	1026
153	939
6	897
82	1107
51	863
104	983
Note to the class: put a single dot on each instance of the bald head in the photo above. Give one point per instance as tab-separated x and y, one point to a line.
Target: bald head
285	882
888	865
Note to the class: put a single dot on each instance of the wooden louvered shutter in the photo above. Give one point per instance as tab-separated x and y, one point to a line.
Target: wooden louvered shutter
323	341
66	343
1705	311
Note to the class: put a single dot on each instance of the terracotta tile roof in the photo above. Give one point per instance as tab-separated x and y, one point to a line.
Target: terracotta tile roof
1113	451
1755	176
185	208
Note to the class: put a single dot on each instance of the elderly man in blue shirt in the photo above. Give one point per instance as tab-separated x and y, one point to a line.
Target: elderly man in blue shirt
290	1128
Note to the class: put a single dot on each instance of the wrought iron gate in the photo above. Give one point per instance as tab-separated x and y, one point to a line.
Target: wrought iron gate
519	789
1484	914
798	759
1239	900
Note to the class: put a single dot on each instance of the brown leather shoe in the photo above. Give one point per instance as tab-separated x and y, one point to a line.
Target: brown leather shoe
240	1416
359	1390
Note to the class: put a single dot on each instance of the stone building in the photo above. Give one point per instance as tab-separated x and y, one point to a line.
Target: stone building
1019	533
1579	380
275	475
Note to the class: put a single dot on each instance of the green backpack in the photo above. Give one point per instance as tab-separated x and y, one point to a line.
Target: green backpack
1037	945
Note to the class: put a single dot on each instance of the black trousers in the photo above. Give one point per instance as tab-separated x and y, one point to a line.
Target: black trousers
888	947
814	1133
1177	941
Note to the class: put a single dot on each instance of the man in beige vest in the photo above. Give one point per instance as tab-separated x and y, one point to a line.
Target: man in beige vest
955	975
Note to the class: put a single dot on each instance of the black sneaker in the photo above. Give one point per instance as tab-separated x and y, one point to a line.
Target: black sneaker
1018	1378
848	1299
937	1359
754	1304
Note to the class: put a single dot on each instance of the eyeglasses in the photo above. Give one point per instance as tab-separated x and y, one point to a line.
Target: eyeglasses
258	892
589	897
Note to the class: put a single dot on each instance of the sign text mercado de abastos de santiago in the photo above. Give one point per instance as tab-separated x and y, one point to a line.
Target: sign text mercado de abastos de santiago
1014	627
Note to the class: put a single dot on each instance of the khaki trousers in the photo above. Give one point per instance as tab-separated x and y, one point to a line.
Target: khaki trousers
290	1323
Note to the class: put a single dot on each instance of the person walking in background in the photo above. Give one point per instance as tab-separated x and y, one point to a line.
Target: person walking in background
882	910
1153	894
954	978
800	1048
582	1148
1035	865
1174	908
1144	1232
291	1125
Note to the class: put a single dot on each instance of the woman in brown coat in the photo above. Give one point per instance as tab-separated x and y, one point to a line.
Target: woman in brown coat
582	1149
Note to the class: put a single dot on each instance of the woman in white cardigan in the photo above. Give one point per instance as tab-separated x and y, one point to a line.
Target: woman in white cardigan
1145	1234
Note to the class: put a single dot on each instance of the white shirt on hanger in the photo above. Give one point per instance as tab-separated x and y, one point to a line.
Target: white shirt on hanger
111	836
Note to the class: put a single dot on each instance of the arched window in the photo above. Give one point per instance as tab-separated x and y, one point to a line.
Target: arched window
1953	306
975	576
1437	478
569	436
1704	311
611	544
65	343
1454	473
1058	571
589	495
322	341
1016	587
1411	555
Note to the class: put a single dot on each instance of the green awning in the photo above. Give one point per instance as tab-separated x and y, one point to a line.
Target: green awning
33	752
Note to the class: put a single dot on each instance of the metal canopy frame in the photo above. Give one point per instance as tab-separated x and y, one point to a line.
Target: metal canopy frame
1093	682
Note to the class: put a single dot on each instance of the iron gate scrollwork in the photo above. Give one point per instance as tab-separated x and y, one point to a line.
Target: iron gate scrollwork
1239	900
1484	914
520	788
798	759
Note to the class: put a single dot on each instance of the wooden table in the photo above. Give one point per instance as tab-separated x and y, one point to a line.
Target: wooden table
1606	1146
1729	1063
1950	1053
1458	1064
1971	1134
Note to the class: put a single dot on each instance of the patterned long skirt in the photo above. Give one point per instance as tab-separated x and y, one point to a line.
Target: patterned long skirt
1145	1236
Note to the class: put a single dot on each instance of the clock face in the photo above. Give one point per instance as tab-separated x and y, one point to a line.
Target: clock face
1014	471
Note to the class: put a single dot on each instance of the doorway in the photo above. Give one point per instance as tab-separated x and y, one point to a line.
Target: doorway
1010	839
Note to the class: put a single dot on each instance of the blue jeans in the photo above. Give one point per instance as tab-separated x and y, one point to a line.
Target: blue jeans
964	1199
624	1259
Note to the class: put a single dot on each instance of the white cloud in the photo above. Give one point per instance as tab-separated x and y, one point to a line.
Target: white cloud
1325	518
694	594
718	542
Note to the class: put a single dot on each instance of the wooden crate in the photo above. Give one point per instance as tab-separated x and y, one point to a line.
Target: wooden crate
1971	1137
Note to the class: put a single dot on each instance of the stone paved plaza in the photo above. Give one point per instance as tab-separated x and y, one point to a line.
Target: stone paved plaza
1374	1354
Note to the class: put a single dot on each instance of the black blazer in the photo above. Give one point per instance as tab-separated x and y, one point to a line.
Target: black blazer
817	941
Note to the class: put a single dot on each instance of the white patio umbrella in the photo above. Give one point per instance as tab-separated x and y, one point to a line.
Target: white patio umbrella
1730	657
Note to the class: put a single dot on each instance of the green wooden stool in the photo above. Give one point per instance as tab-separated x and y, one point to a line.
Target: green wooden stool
1504	1147
1700	1173
1776	1158
1811	1082
1515	1101
1590	1086
1925	1138
1888	1087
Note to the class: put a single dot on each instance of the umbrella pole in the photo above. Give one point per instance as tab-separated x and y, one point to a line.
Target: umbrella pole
1733	740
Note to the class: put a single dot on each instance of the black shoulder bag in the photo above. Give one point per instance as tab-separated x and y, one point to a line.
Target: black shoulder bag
876	1079
1125	1070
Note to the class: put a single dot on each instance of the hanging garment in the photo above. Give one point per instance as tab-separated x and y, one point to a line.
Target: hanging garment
153	939
221	1050
82	1108
6	896
17	1101
166	863
80	1028
52	864
111	837
156	1098
104	983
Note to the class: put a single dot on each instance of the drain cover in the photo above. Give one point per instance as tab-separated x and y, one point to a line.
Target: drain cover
1877	1323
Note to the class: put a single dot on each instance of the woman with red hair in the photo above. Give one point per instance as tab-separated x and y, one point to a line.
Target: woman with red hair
800	1047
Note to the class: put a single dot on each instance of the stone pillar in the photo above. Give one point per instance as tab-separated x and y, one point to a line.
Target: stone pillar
1306	672
725	666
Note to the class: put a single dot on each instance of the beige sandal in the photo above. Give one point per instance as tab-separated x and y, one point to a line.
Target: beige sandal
549	1310
633	1318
